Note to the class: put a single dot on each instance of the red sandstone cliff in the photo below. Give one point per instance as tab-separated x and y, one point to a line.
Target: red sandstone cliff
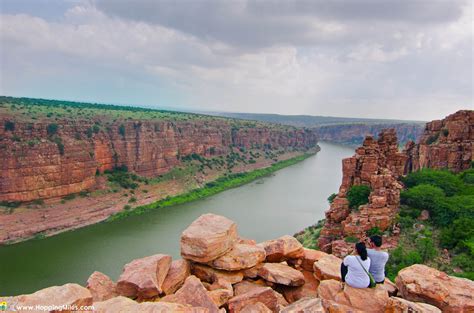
377	164
37	166
446	143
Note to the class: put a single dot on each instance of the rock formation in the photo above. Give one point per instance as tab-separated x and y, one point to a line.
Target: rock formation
377	164
40	165
159	285
446	143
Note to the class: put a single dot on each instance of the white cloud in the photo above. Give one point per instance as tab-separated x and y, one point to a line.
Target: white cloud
334	66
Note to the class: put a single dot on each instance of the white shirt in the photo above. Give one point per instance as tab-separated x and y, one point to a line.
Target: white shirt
356	276
378	259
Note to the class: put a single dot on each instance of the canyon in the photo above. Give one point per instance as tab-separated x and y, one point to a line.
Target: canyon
378	164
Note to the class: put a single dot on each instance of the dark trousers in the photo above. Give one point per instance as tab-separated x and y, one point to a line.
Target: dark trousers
344	270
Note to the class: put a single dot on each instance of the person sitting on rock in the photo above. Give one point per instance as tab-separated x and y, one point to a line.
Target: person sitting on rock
354	268
378	259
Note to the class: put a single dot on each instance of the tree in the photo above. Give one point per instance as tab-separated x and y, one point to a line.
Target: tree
358	195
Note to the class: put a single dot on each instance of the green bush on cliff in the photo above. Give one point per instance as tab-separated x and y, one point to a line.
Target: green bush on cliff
332	197
52	129
358	195
447	181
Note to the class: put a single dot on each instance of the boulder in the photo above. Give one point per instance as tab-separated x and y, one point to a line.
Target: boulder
193	293
242	256
399	305
246	286
68	294
126	305
308	258
281	274
334	307
305	305
258	307
328	267
220	296
177	274
207	238
282	249
309	289
144	277
420	283
252	272
390	287
365	299
101	287
266	295
210	275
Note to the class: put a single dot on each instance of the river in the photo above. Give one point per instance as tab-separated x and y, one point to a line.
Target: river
284	203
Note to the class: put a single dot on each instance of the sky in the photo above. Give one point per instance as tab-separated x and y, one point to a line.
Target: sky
400	59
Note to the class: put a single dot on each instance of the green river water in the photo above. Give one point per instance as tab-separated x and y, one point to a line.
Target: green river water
288	201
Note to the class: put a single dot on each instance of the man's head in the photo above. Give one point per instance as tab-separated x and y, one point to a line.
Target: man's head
376	241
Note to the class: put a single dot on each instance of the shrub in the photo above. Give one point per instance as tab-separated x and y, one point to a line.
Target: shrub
89	132
358	195
96	128
121	130
132	200
351	239
432	139
374	231
426	249
127	207
447	181
69	197
52	129
332	197
9	126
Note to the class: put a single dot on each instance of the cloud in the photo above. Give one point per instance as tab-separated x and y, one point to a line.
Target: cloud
258	56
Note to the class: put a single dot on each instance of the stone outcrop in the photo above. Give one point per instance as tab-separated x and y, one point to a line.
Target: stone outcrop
377	164
282	249
177	274
144	277
71	295
281	274
400	305
155	284
101	286
364	299
208	237
446	143
242	256
38	165
421	283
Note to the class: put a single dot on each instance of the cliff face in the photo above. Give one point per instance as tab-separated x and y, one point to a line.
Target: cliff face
38	165
377	164
446	143
354	134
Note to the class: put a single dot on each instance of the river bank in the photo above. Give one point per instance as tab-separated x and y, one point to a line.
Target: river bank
110	202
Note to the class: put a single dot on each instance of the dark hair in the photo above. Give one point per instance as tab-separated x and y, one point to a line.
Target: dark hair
376	240
361	250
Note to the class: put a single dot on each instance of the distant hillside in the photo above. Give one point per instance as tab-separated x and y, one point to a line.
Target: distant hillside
343	130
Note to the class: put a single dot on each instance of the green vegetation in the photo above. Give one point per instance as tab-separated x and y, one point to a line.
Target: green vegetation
309	236
358	195
332	197
449	198
211	188
52	129
120	176
9	126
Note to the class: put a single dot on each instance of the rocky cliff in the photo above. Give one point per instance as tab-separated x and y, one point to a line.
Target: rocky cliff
446	143
57	157
221	272
377	164
355	133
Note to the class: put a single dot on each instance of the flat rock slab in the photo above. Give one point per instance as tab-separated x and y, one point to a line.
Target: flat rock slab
207	238
308	290
281	274
306	305
68	294
425	284
242	256
265	295
399	305
177	274
101	287
193	293
126	305
258	307
282	249
144	277
211	275
328	267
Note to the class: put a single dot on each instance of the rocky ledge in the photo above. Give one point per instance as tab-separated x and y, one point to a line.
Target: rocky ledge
221	272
